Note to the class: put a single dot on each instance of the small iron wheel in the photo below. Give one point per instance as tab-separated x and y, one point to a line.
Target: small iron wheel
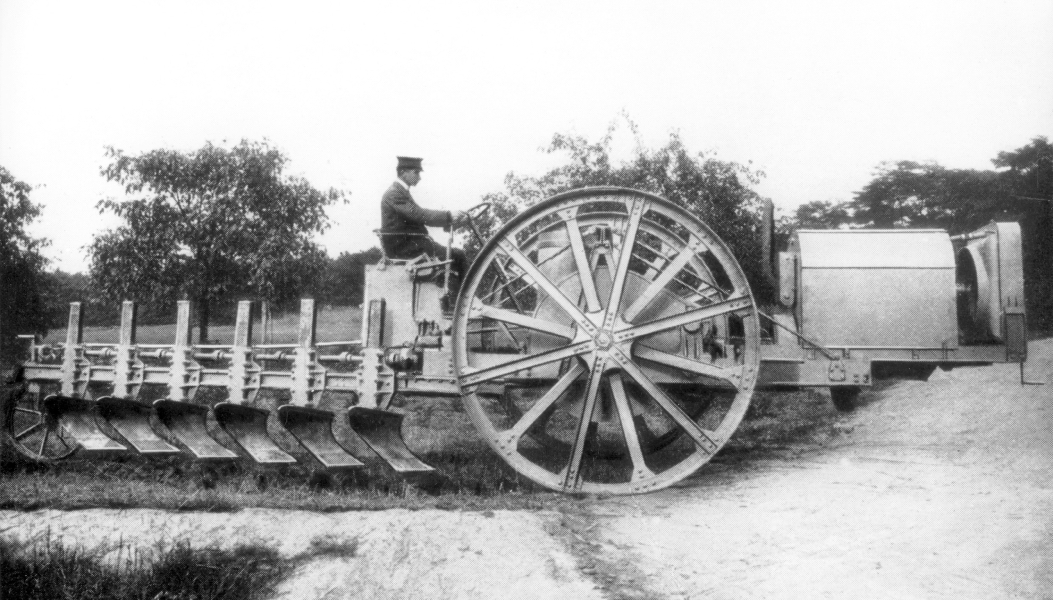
632	324
30	430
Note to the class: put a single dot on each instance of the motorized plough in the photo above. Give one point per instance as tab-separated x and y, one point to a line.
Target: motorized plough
604	340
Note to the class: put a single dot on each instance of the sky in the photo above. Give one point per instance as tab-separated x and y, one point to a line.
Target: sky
815	94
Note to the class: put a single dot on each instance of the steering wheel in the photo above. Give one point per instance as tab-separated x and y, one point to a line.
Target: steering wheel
474	213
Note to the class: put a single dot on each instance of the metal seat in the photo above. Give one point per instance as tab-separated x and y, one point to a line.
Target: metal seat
423	267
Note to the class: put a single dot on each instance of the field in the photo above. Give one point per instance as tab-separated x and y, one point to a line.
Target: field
471	475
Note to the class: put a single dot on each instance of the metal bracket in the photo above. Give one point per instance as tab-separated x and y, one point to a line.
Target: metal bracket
127	368
308	378
185	372
1024	381
76	368
244	373
837	371
826	352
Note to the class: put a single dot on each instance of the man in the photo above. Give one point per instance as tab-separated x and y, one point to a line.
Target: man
404	223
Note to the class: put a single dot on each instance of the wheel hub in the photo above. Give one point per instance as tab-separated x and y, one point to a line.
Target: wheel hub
604	340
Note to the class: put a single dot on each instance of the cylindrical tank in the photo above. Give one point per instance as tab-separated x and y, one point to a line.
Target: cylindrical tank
876	288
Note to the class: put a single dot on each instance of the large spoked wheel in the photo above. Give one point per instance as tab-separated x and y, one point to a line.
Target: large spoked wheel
30	430
626	332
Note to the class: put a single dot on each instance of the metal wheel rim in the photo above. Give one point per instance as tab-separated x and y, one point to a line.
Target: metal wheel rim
606	349
658	439
32	432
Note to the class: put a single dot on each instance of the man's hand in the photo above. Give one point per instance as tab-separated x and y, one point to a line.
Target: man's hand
459	218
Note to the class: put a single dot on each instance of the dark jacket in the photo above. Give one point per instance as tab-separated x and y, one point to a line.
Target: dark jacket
404	223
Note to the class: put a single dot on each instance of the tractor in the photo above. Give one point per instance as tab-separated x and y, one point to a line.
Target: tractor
603	341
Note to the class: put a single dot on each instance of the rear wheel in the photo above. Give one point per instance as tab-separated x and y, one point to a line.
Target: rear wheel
628	330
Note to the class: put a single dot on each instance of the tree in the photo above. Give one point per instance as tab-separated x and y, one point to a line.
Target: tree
345	276
64	288
1028	182
927	195
22	283
209	224
1030	171
717	191
821	215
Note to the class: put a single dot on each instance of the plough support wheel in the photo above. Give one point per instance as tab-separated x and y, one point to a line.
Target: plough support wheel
131	419
248	426
382	430
77	416
187	423
29	429
313	428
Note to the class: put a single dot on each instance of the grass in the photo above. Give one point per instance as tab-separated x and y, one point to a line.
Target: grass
471	476
48	571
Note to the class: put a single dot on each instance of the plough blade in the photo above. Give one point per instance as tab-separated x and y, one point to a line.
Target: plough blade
187	423
248	426
382	430
131	419
313	428
78	417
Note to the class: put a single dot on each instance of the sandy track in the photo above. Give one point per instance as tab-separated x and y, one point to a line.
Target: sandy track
943	489
397	553
940	489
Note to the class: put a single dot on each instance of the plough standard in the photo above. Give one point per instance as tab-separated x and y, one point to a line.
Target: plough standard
605	340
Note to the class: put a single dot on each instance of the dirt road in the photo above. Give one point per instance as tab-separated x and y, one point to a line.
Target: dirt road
942	489
939	489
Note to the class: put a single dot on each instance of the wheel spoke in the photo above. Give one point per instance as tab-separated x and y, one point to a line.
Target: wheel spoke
573	471
44	441
25	432
625	417
691	316
664	278
543	404
636	211
702	438
62	438
577	247
547	286
27	410
729	375
508	316
470	378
